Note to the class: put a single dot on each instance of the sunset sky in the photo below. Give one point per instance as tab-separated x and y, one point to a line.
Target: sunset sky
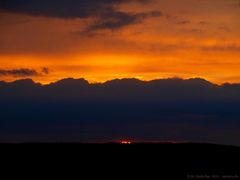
111	70
102	40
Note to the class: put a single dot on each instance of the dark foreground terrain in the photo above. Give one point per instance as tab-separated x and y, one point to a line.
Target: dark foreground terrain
168	160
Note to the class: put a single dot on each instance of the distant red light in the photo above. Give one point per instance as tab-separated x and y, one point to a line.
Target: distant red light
126	142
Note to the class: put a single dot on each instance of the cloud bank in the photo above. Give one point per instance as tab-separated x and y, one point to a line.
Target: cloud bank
104	12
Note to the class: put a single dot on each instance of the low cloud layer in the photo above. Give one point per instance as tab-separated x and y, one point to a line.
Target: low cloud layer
18	72
23	72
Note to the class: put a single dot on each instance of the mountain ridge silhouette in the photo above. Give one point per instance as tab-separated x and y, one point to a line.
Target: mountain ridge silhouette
69	110
117	80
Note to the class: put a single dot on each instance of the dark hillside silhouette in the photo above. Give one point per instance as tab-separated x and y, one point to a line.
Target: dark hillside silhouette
193	110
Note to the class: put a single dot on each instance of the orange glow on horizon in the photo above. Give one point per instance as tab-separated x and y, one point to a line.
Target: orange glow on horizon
101	68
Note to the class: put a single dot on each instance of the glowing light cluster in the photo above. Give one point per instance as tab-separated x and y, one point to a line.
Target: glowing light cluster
126	142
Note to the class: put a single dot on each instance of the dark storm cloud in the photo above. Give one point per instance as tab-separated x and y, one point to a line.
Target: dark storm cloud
105	11
18	72
72	109
60	8
118	20
23	72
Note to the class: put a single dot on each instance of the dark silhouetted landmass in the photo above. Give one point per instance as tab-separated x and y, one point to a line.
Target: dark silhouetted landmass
153	160
73	110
